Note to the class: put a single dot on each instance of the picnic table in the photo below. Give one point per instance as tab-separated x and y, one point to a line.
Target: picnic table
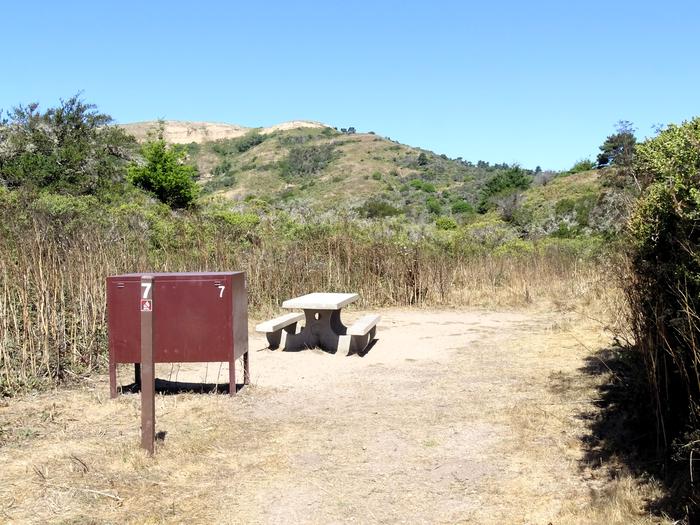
323	327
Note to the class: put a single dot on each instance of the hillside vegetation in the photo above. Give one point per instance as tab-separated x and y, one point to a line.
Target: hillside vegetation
321	171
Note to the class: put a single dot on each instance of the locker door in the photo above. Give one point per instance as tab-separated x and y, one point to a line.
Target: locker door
192	319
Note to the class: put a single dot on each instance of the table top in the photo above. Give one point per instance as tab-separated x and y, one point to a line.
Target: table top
321	301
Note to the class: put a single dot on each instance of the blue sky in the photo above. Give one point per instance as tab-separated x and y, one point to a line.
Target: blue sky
538	82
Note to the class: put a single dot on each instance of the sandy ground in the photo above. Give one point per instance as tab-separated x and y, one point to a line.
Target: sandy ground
451	417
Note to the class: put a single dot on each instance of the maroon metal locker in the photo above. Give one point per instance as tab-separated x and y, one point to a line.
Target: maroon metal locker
196	317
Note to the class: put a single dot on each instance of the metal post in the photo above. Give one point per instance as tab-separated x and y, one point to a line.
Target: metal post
148	403
232	375
112	376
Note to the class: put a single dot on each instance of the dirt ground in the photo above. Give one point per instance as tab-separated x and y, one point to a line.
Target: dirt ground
451	417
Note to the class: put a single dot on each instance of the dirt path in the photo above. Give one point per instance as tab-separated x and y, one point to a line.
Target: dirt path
452	417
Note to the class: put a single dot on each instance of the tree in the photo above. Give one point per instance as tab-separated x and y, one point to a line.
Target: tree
503	184
165	174
618	149
422	159
69	149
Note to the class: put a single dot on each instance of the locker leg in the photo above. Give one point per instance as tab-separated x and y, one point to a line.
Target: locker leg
246	369
112	379
232	377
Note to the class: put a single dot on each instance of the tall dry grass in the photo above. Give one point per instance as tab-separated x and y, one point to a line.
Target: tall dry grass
53	270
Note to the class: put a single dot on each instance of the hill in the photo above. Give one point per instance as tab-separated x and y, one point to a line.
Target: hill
306	166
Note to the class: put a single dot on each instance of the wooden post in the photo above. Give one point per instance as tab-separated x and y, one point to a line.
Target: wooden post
148	386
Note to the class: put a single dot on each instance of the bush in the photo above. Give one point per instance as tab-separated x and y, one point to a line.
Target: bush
582	165
664	289
165	175
446	223
376	208
223	168
226	147
69	149
433	206
502	184
302	161
219	183
416	184
462	207
419	184
248	141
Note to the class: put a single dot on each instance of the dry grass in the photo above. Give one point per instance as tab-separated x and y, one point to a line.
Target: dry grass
52	293
621	502
453	417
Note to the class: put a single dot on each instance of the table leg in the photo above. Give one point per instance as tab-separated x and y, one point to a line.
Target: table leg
322	329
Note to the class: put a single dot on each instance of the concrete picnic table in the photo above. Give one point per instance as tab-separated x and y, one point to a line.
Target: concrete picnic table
323	326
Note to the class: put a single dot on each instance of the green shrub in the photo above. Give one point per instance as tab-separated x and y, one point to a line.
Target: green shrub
664	290
240	222
416	184
488	232
219	183
503	183
227	147
433	205
580	208
564	206
377	175
193	148
446	223
70	149
165	175
223	168
582	165
419	184
515	248
462	207
376	208
248	141
303	161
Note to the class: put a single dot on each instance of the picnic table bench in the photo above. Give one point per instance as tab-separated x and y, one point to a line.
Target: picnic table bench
323	327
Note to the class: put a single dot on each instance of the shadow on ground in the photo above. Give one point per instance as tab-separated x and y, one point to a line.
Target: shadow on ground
163	386
622	430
